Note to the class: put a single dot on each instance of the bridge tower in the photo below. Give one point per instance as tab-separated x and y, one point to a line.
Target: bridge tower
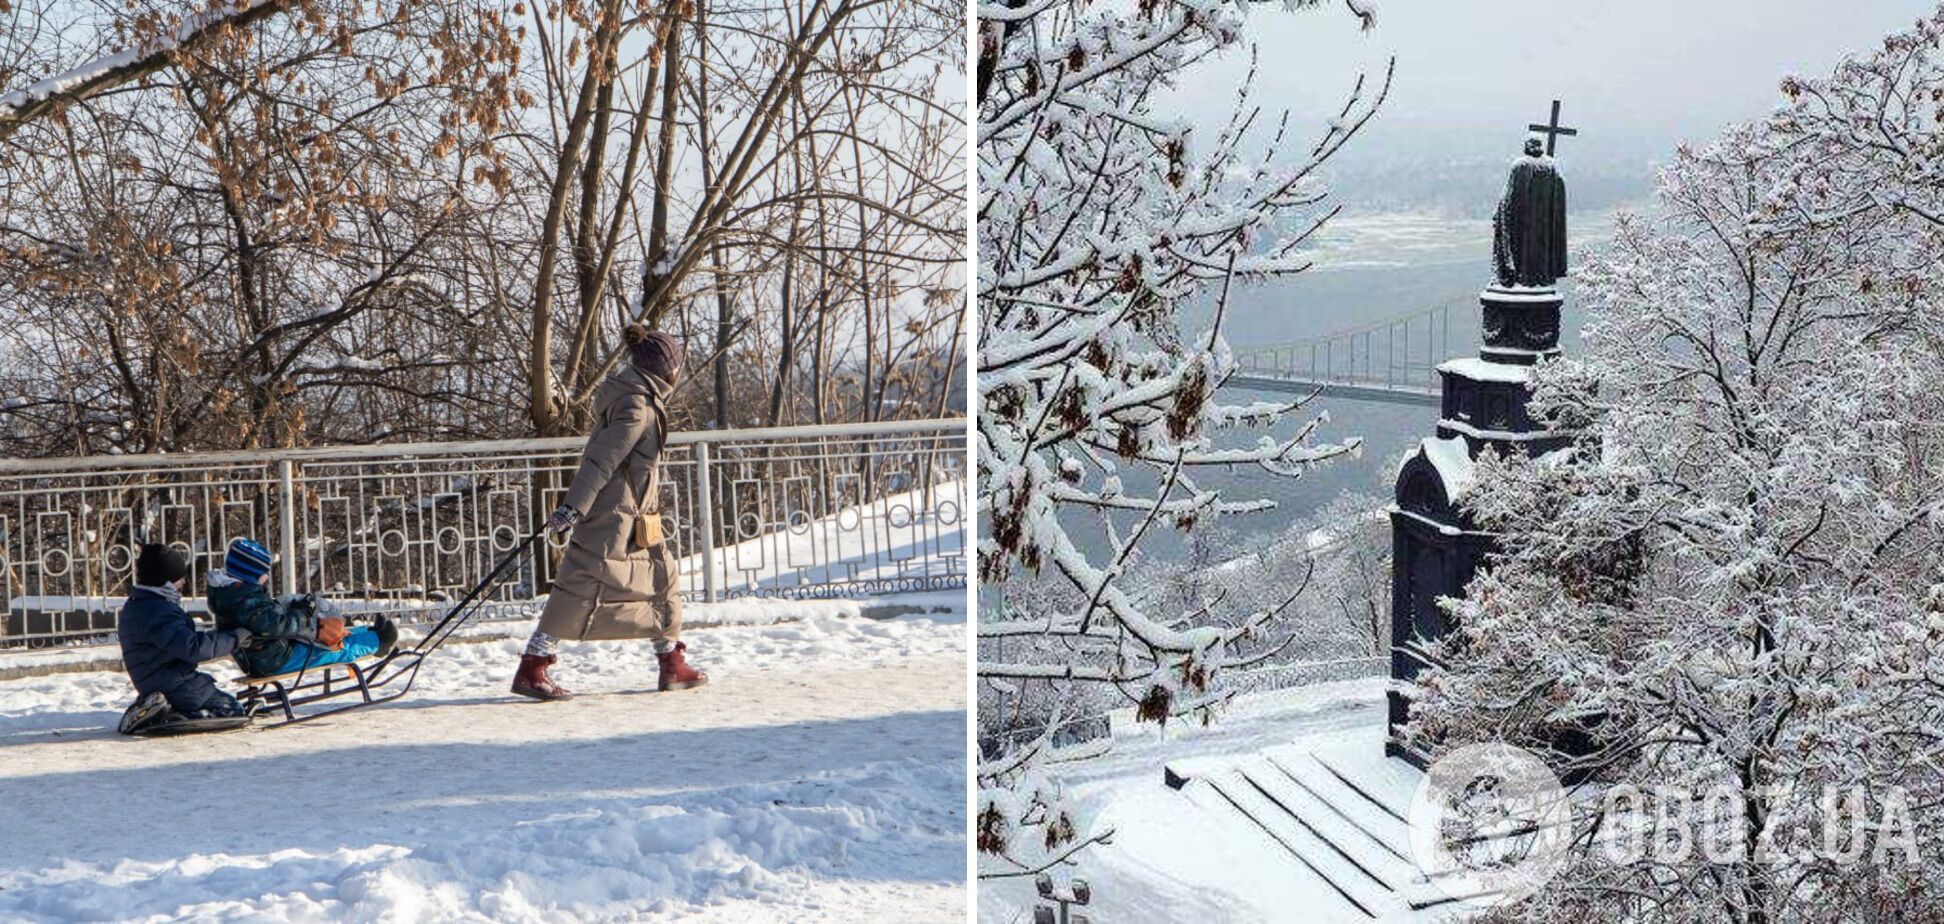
1435	547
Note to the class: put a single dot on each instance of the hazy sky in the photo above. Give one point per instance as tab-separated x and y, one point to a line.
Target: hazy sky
1638	75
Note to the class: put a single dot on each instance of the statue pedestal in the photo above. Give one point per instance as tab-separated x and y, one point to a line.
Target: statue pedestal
1435	551
1436	548
1520	324
1485	402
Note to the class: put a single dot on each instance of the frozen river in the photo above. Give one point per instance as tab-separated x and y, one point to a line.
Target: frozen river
1369	269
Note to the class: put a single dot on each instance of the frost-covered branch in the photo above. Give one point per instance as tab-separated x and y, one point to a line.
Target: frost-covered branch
1102	221
144	57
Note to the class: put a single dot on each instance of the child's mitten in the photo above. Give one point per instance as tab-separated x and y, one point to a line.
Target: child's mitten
330	633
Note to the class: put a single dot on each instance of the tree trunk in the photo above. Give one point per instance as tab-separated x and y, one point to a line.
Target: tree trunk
542	411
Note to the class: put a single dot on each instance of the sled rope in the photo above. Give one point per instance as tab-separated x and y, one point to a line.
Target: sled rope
461	612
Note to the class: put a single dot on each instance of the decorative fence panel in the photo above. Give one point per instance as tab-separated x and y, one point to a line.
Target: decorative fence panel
847	509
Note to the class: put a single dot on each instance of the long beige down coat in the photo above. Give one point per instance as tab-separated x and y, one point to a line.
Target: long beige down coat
607	589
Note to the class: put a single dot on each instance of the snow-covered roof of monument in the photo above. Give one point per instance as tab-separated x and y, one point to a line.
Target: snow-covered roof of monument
1452	458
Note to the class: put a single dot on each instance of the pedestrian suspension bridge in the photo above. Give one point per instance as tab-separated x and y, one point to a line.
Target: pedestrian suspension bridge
1393	361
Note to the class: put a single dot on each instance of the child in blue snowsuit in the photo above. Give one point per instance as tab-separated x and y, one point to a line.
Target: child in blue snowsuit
160	644
290	634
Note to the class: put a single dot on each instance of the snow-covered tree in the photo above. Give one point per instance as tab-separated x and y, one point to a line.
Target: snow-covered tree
1731	586
1339	554
275	222
1101	219
1350	541
1866	140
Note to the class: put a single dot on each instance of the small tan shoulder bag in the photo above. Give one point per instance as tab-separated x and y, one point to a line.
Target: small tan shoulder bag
648	531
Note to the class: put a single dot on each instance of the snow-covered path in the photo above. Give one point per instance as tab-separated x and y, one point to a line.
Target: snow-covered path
819	776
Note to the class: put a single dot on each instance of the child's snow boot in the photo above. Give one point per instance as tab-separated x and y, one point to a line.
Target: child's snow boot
147	711
676	674
532	680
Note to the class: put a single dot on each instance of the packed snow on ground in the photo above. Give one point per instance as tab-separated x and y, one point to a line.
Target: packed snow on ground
516	618
1169	862
820	776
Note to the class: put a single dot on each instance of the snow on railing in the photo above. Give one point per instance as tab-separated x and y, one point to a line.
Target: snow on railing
816	511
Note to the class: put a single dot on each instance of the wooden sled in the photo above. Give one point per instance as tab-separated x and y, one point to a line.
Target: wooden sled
369	678
366	681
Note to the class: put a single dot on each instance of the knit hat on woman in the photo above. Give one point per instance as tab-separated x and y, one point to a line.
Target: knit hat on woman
248	561
655	352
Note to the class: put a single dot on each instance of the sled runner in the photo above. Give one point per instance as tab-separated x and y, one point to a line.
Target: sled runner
326	682
372	680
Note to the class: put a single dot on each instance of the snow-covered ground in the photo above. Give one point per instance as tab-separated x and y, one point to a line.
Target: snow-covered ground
1169	859
515	619
820	776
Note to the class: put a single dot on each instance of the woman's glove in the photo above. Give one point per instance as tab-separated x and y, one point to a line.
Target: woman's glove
331	633
563	519
243	637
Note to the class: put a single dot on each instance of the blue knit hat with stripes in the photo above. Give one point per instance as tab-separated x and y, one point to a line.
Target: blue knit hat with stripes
248	561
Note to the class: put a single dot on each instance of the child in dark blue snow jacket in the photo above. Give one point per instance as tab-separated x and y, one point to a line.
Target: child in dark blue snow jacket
160	644
288	635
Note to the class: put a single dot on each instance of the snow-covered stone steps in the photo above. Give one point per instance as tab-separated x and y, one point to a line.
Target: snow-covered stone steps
1234	828
1374	818
1370	858
1363	892
1375	794
1341	816
1382	861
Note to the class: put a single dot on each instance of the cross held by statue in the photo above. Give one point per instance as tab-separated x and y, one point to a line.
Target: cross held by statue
1553	130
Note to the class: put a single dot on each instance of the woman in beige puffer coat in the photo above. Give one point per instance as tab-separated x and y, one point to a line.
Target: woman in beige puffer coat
611	585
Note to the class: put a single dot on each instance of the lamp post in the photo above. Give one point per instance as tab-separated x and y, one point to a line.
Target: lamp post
1076	894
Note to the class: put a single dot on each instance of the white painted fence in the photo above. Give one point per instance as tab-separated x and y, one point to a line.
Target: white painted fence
847	509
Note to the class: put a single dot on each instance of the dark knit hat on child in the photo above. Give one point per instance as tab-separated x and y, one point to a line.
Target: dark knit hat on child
655	352
248	561
158	564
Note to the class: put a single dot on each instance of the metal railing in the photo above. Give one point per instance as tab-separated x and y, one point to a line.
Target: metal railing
836	510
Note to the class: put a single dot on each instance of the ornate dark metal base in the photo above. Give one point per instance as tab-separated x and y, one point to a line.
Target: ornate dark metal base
1520	326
